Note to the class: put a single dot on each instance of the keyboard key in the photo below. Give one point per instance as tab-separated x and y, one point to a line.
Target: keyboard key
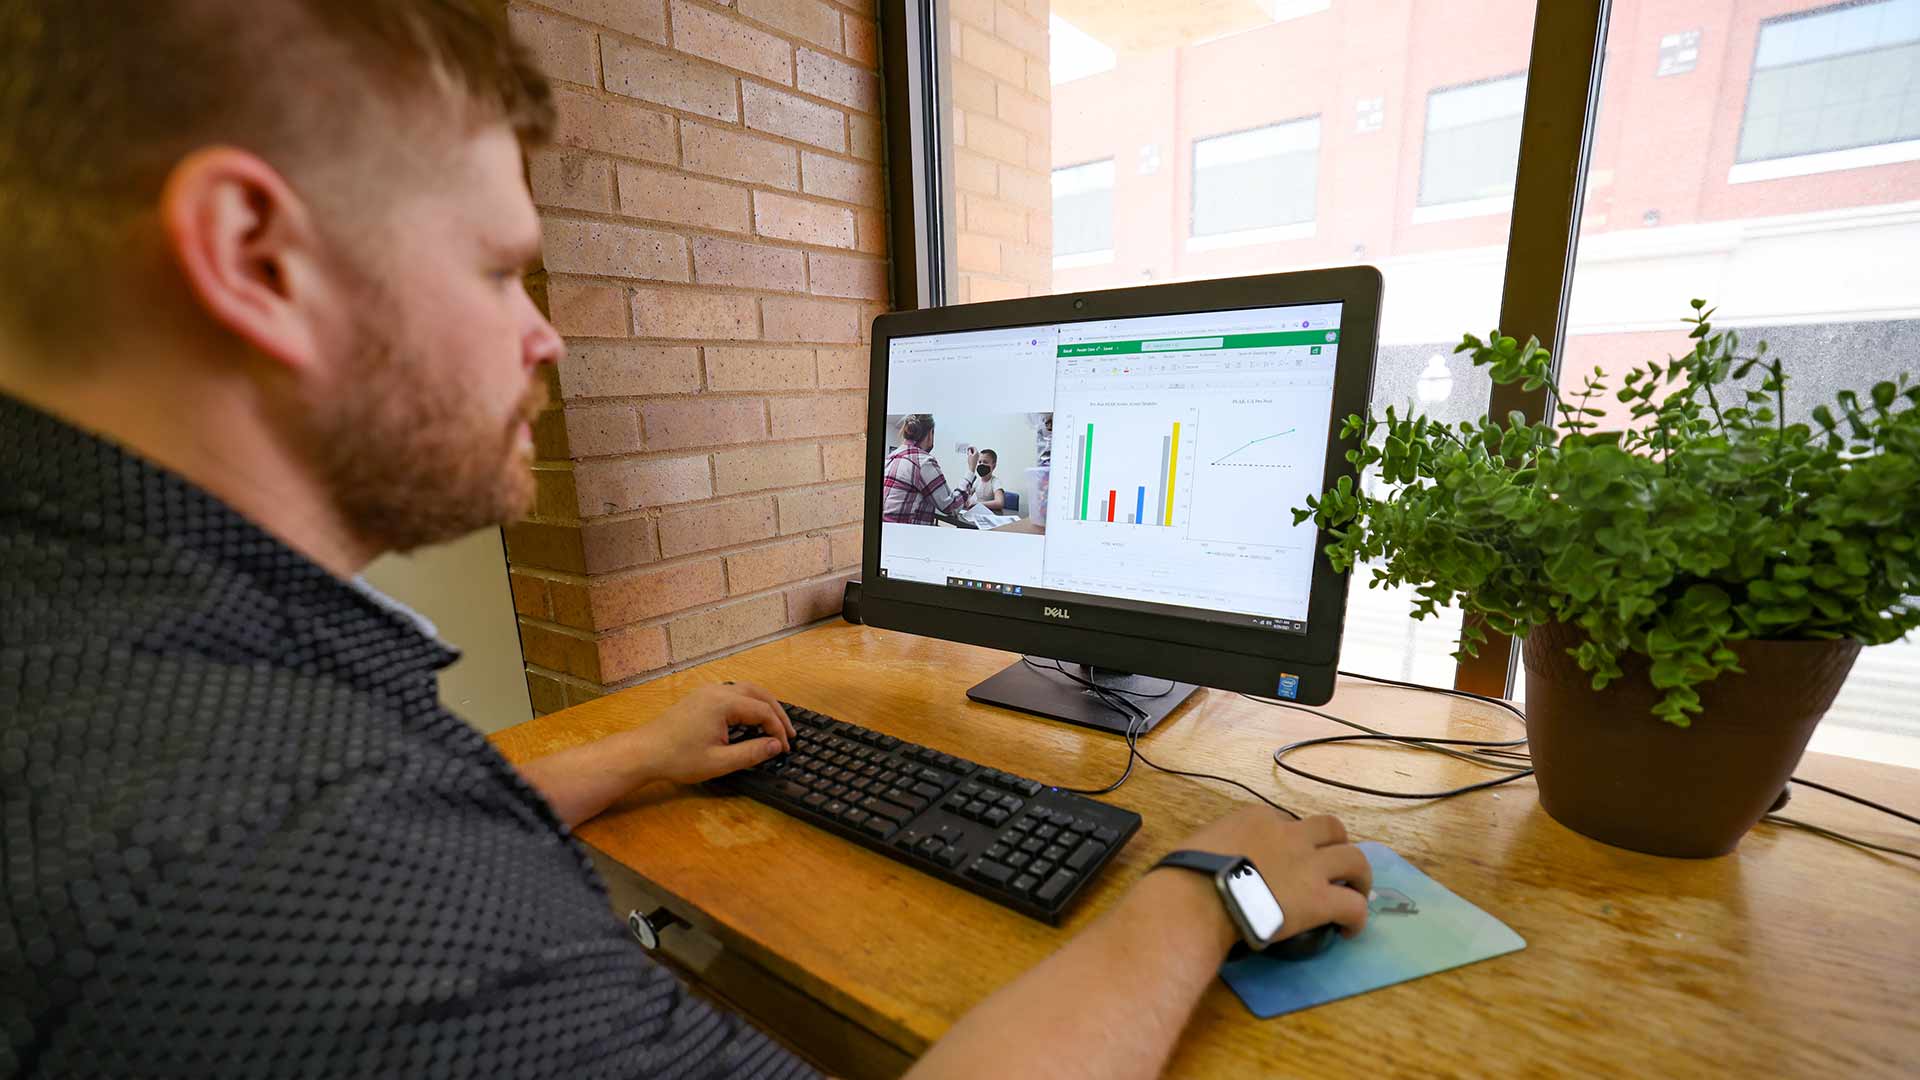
931	846
905	798
1055	887
789	789
1024	826
956	803
839	791
926	790
988	870
814	800
1106	835
951	856
1047	832
855	816
1084	857
1040	867
909	838
1054	853
975	808
1029	788
885	809
1082	824
998	851
879	826
1019	859
835	808
1032	845
934	776
995	816
1010	804
1025	883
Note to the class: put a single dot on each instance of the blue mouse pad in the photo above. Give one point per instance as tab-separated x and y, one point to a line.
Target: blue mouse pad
1415	927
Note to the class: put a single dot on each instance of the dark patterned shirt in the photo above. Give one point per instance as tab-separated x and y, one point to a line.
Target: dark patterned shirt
242	838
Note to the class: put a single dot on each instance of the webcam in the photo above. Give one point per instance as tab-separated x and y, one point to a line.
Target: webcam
1080	303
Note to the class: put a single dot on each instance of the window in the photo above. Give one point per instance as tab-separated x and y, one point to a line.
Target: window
1253	180
1473	142
1837	79
1083	210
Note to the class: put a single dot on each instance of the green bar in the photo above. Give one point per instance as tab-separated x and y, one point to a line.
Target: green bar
1086	471
1227	341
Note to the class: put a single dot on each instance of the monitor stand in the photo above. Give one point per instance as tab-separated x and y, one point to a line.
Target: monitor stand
1048	693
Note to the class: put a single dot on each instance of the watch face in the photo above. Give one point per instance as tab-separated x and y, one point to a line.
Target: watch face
1255	900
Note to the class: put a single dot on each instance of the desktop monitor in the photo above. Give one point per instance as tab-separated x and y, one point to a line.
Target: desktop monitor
1119	473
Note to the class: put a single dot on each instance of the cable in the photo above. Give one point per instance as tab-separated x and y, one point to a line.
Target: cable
1855	798
1449	691
1831	834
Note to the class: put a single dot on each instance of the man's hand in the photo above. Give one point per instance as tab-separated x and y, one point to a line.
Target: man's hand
1301	862
688	742
973	460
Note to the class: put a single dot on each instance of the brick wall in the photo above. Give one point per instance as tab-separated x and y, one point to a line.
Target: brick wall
1002	153
715	252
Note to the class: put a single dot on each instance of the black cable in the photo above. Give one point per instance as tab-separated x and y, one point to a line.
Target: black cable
1417	744
1855	798
1831	834
1449	691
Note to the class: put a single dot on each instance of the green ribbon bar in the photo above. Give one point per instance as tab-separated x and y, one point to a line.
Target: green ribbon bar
1202	343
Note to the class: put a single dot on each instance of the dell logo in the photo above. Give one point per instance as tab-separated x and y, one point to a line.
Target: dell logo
1056	613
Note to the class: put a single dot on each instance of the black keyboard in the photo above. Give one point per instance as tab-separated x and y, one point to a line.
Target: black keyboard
1012	840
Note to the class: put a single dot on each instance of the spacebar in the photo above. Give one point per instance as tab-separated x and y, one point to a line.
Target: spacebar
885	809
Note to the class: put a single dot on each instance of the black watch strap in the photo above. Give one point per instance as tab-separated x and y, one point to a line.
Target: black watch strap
1206	862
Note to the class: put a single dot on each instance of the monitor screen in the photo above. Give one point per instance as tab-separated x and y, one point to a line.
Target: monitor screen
1145	463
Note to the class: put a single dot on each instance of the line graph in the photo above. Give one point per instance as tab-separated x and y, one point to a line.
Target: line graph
1222	459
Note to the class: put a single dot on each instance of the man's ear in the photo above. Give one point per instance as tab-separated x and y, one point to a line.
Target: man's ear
245	242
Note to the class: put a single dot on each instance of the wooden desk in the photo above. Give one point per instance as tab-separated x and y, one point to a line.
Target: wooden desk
1796	955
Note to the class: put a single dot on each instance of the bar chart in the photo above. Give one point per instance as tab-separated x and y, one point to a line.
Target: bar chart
1129	465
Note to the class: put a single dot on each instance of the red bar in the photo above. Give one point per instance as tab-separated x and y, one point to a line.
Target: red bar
1110	497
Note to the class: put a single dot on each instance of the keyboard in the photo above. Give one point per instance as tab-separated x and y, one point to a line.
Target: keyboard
1012	840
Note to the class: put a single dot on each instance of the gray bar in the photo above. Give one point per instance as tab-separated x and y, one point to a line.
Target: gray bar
1160	508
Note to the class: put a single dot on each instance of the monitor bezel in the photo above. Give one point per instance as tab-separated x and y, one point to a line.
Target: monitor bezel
1176	647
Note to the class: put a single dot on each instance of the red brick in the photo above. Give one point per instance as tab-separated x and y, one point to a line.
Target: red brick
862	40
1015	27
776	564
870	231
596	370
792	318
675	425
726	40
682	199
761	467
614	127
796	118
751	266
846	547
739	156
562	49
809	19
819	508
800	418
584	309
844	369
554	493
975	174
665	78
845	460
711	631
993	56
721	525
571	179
973	90
632	652
997	140
530	595
609	487
557	651
530	543
786	218
630	599
836	80
596	247
547	695
640	18
835	178
613	545
571	606
689	313
1026	112
840	275
817	600
866	138
977	12
599	430
996	218
758	369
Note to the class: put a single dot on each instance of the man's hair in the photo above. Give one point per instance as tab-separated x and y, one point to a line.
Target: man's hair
916	426
100	99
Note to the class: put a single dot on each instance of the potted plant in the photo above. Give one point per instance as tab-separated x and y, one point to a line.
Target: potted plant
1692	590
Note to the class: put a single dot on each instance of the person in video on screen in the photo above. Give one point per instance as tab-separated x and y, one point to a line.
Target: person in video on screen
263	318
914	489
986	488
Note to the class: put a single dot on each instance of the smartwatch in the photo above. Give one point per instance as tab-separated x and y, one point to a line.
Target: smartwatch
1250	904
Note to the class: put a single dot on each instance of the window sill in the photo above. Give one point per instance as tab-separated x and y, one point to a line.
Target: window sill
1302	230
1465	208
1858	157
1083	258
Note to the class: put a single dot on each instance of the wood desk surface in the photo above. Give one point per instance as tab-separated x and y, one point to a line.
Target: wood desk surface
1796	955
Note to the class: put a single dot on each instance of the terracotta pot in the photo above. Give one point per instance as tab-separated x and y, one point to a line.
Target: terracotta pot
1608	769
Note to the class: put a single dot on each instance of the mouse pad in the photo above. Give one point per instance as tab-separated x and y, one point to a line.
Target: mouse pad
1415	927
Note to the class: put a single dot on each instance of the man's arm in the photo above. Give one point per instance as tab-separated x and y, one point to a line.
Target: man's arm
1111	1003
686	743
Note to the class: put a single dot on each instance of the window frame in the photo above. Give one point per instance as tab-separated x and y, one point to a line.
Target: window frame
1426	145
1556	137
1777	161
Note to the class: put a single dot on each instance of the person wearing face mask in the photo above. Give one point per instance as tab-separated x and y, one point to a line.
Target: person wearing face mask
986	486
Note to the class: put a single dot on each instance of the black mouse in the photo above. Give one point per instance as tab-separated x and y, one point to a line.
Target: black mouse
1304	945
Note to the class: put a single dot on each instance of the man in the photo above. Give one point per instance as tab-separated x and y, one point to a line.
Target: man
261	320
913	490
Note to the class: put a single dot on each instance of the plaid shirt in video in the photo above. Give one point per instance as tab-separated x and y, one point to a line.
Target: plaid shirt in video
914	489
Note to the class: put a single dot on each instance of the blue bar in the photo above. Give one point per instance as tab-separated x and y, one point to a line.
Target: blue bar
1140	505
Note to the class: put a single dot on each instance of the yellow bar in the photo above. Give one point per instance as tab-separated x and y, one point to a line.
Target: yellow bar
1173	463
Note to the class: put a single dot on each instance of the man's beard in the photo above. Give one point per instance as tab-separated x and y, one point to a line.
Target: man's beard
412	460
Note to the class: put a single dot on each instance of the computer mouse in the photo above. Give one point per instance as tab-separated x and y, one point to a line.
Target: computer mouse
1304	945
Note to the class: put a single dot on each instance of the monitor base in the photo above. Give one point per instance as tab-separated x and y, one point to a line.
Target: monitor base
1052	695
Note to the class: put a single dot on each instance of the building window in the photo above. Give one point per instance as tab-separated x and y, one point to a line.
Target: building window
1834	79
1473	141
1083	209
1259	179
